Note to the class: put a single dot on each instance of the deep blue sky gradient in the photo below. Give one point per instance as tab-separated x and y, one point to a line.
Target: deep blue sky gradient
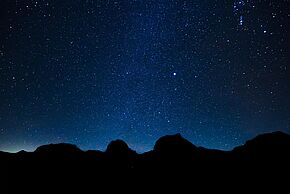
90	71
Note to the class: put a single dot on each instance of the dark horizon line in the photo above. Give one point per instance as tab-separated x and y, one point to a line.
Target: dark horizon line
261	134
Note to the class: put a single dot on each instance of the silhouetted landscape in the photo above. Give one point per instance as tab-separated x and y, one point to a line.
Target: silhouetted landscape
174	161
86	72
171	152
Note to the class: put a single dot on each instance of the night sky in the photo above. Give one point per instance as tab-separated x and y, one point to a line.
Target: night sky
90	71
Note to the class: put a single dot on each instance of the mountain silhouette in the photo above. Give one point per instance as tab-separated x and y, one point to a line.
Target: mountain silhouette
174	144
172	154
119	148
274	146
271	142
61	148
172	151
119	156
267	147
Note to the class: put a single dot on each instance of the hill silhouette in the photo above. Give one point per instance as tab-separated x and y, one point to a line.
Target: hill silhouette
256	159
271	146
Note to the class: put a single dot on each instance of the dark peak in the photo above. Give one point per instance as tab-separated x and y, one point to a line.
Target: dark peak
278	133
269	141
119	147
272	134
58	148
173	143
22	152
270	137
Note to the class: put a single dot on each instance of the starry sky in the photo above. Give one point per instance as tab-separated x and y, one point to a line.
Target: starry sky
90	71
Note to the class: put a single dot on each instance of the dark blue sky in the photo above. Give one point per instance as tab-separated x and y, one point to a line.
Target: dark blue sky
90	71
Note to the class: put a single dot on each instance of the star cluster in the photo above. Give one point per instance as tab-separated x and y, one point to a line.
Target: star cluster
87	72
